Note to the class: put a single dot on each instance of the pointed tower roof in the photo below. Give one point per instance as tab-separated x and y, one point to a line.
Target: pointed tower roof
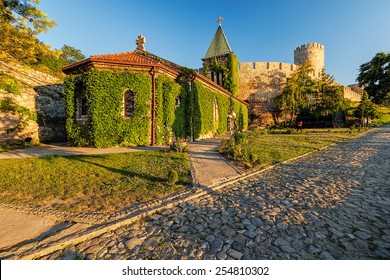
219	45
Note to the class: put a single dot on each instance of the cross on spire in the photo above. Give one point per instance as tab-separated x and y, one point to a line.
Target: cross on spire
220	19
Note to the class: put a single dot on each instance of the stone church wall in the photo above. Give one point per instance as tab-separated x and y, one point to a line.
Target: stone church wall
42	95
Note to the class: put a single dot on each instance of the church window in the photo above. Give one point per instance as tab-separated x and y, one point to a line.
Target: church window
84	108
128	104
81	104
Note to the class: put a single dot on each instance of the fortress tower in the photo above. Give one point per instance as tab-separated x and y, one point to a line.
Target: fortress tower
313	52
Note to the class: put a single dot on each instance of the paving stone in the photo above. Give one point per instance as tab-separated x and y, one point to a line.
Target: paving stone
216	246
287	249
281	242
238	246
363	235
312	249
131	243
221	255
235	254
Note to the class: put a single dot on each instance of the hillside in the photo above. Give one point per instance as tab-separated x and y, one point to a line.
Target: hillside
31	105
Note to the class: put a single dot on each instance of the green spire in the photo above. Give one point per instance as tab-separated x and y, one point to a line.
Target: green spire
219	45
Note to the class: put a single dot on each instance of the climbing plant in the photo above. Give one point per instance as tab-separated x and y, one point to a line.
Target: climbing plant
203	118
172	100
7	105
229	71
106	126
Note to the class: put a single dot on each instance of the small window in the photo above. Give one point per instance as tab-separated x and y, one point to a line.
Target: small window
81	103
128	102
84	108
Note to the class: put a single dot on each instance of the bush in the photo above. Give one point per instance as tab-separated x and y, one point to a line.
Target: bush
173	177
179	146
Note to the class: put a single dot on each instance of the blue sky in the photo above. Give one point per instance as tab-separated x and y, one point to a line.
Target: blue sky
353	31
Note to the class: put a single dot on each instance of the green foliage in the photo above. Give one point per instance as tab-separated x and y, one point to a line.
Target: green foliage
71	55
173	177
171	118
106	125
9	84
25	14
229	72
231	80
204	119
305	95
329	96
25	115
262	147
375	76
179	146
296	96
366	109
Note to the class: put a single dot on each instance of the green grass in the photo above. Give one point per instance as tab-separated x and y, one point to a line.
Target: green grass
385	115
103	183
261	148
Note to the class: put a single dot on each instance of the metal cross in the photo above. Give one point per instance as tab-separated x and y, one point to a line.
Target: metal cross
220	19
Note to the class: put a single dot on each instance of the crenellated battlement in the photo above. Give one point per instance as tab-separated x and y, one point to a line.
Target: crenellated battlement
267	66
310	46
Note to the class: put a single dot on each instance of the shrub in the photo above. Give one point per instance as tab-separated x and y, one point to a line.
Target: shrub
173	177
180	146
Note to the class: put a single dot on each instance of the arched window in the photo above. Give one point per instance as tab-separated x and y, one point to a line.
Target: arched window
128	104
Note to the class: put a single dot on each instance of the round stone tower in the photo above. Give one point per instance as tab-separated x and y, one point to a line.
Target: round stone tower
313	52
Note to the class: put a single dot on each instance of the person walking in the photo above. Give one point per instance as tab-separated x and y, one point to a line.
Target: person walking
299	126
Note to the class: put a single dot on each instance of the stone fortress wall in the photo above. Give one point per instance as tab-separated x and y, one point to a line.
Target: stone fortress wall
41	94
262	81
313	52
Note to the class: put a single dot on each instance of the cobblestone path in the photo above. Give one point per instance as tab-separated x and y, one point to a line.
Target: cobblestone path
334	204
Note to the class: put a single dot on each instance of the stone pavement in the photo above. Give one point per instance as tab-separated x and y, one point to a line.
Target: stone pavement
208	166
334	204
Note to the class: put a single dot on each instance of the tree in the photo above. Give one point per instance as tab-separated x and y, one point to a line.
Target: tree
375	76
366	109
329	97
297	95
25	14
71	54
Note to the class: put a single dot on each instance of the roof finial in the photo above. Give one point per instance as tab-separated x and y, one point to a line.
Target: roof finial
220	19
141	43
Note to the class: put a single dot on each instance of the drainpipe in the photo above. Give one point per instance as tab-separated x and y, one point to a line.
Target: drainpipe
191	83
153	106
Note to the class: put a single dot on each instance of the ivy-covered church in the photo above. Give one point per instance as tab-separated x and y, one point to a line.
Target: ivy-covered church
137	98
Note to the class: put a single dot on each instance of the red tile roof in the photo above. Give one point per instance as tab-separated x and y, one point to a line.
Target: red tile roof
129	57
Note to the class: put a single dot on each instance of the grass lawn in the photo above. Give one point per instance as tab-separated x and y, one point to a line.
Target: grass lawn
102	183
261	148
385	115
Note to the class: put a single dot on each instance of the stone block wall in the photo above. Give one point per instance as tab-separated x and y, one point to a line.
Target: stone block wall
314	53
41	94
263	79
